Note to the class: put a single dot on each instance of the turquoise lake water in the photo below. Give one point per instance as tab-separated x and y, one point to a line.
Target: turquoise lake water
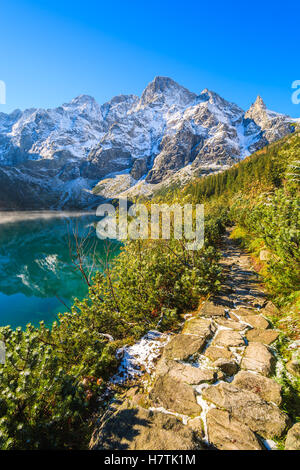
37	274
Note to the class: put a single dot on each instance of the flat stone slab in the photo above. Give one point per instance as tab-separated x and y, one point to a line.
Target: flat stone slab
175	395
234	325
258	358
241	311
227	433
211	309
214	353
256	321
203	327
261	417
228	338
265	388
140	429
183	346
185	372
293	438
262	336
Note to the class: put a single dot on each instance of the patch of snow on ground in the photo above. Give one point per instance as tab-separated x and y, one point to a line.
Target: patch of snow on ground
161	409
206	406
140	357
269	444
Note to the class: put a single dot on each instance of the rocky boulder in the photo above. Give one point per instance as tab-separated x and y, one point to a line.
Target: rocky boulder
270	309
140	429
196	424
175	395
185	372
228	338
211	309
227	433
183	346
256	321
242	311
293	367
226	366
258	358
293	438
267	389
247	407
217	352
262	336
234	325
200	327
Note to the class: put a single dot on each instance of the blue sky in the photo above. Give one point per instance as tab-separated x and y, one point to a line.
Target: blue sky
52	51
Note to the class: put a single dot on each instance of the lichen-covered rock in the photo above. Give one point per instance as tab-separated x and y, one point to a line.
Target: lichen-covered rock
227	433
140	429
175	395
267	389
263	418
258	358
293	438
262	336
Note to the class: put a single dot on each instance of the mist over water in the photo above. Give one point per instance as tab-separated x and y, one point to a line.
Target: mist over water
36	268
11	217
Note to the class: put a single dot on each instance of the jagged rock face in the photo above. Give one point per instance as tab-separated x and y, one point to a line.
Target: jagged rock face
56	156
273	125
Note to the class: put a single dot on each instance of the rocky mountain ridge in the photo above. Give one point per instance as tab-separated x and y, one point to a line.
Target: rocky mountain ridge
81	152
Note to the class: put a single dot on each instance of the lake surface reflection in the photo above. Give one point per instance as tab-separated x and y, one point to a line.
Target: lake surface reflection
37	255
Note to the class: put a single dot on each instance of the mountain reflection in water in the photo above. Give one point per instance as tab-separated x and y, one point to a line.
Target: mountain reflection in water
36	267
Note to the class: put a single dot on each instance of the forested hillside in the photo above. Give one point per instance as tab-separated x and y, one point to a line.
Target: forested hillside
261	197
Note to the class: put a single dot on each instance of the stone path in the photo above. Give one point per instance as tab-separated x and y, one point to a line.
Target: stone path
212	385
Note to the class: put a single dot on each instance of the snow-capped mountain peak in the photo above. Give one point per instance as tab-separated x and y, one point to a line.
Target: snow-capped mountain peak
164	90
54	157
273	125
259	103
